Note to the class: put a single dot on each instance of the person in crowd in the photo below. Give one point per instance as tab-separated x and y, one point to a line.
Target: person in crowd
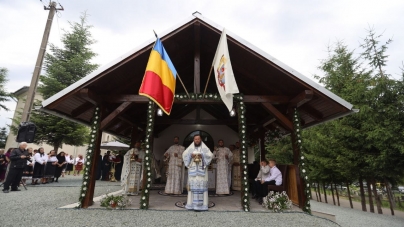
197	158
224	160
175	175
64	166
69	163
118	166
50	167
3	165
262	175
132	169
60	166
274	178
106	167
99	168
29	168
18	161
39	167
79	165
236	170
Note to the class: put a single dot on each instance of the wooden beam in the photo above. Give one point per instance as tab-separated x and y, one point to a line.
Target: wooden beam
127	121
278	115
194	121
81	109
274	99
114	114
89	96
113	98
197	58
313	113
301	98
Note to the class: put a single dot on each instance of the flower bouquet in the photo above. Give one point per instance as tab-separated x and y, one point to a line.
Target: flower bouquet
277	202
115	201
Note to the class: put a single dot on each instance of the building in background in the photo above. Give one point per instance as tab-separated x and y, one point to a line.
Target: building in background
21	95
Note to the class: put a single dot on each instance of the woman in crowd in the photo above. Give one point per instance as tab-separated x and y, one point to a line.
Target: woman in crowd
69	165
3	165
39	168
7	158
60	166
79	165
29	168
50	167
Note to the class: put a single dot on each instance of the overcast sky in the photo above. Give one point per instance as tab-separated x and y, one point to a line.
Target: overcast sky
295	32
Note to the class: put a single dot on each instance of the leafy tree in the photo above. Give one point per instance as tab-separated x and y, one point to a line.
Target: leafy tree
4	95
65	66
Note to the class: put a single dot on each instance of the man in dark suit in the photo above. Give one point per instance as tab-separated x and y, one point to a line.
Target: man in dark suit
18	161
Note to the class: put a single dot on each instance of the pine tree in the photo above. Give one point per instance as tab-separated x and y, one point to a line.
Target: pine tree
64	66
4	95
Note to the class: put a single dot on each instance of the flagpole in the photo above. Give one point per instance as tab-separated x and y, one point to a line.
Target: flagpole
207	82
177	72
183	85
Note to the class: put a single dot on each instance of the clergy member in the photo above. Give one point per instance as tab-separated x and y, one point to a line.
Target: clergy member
224	159
132	170
175	168
196	158
236	171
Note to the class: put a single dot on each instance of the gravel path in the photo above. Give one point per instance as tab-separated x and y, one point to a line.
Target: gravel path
351	217
38	207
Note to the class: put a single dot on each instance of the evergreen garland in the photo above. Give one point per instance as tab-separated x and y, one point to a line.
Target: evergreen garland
95	124
144	200
302	167
242	129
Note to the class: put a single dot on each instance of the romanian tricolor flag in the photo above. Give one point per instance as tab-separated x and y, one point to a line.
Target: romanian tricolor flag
159	79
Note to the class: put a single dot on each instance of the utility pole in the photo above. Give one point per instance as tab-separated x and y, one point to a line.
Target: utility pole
38	66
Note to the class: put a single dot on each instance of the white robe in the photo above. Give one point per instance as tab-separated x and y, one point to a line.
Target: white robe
132	172
197	176
223	179
175	170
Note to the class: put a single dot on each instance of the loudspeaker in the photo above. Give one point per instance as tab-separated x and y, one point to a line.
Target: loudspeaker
26	132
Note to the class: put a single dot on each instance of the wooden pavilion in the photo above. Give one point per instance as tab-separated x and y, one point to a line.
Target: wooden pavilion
271	90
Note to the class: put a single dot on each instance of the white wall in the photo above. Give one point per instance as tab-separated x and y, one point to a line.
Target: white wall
217	132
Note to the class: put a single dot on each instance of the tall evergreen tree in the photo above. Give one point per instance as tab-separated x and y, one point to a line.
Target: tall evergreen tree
64	66
4	95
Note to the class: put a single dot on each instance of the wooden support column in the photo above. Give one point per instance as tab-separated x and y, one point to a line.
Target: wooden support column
197	58
262	144
88	199
296	161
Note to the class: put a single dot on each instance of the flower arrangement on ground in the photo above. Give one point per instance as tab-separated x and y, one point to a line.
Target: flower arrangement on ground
277	202
115	201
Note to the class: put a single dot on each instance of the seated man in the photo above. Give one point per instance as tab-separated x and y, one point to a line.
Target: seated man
262	175
274	178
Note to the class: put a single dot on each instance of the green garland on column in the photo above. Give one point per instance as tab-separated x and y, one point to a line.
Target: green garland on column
95	124
242	129
144	200
302	166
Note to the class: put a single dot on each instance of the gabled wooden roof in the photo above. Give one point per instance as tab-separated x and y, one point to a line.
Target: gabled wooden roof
270	87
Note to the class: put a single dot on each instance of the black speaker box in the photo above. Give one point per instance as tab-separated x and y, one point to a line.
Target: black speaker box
26	132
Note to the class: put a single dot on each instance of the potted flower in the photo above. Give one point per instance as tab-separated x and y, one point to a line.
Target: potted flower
115	201
277	202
